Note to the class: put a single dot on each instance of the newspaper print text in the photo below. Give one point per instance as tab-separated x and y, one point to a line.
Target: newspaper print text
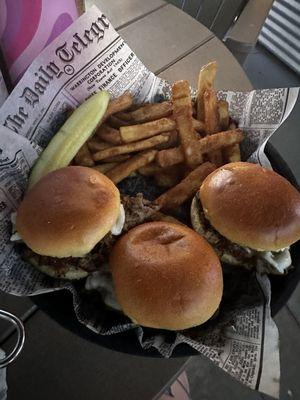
45	74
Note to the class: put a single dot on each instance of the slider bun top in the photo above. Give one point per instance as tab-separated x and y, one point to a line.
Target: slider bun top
166	276
252	206
68	212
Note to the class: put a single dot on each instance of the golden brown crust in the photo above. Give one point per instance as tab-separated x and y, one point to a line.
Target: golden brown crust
252	206
166	276
68	212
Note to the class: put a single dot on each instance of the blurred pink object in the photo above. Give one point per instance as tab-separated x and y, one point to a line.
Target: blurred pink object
28	26
178	390
3	90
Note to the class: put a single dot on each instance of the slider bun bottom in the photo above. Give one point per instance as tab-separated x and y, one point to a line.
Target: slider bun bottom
71	273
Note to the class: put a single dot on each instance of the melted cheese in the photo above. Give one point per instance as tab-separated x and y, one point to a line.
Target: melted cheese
274	262
280	259
117	228
103	283
15	237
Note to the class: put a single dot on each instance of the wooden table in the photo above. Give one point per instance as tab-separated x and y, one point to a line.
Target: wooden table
172	44
55	364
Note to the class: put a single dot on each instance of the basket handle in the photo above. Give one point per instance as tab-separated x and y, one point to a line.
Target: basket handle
20	337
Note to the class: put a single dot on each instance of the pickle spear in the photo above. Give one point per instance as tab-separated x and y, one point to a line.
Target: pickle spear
64	145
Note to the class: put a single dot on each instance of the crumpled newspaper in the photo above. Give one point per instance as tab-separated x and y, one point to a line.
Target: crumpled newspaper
90	56
3	384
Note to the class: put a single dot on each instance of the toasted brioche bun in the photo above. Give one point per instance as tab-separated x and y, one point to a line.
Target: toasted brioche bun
252	206
68	212
166	276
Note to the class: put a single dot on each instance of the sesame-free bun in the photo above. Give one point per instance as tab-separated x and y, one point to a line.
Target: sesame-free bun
166	276
252	206
68	212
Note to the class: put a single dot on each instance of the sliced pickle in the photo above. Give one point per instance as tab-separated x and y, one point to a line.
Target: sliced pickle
72	135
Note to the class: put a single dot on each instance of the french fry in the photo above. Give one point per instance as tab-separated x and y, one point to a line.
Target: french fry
154	169
148	112
108	134
149	169
130	147
206	81
135	106
166	158
103	168
118	104
121	171
186	189
169	177
124	116
117	159
182	107
172	141
208	144
96	145
232	153
223	114
84	157
159	216
133	133
116	122
218	141
211	121
211	112
198	125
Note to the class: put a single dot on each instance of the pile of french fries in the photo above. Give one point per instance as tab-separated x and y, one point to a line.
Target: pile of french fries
178	142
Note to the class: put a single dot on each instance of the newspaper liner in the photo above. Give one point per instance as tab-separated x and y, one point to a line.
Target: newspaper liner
90	56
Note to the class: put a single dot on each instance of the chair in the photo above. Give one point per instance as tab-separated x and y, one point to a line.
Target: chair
281	32
236	22
216	15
